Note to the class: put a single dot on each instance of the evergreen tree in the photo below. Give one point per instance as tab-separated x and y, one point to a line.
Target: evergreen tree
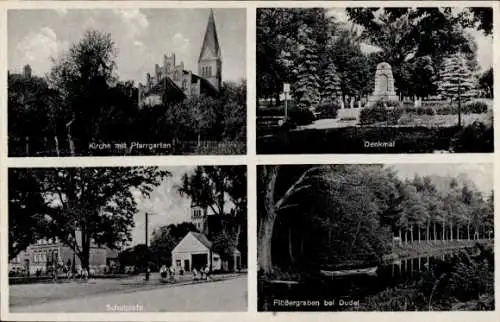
457	79
306	85
330	83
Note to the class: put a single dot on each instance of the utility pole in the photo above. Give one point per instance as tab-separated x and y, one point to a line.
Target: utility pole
147	248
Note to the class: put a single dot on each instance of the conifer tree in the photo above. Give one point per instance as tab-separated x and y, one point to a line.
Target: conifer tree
457	80
330	84
306	85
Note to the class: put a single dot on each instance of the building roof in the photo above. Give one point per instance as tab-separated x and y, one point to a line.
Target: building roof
210	40
202	239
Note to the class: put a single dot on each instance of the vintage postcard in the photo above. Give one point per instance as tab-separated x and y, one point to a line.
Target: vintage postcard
248	161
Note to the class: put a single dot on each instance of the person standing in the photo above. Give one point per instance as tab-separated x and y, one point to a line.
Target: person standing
163	272
207	273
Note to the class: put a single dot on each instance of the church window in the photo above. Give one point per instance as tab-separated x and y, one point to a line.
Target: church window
209	71
184	84
177	75
168	67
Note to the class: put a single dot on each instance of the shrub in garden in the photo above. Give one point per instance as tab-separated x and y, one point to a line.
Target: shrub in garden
328	110
380	114
428	110
301	116
389	103
476	137
476	107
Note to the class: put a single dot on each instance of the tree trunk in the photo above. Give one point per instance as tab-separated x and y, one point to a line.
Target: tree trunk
468	231
266	222
85	253
290	246
451	230
265	234
411	232
458	232
444	231
419	233
434	236
428	233
56	142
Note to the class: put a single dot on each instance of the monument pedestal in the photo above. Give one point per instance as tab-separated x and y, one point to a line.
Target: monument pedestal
384	85
348	114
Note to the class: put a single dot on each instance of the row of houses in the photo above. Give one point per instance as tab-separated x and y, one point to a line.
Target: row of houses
194	251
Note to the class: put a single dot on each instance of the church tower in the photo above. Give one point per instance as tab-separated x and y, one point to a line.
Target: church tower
199	218
210	61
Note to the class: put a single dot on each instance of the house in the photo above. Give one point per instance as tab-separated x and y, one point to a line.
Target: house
36	256
195	251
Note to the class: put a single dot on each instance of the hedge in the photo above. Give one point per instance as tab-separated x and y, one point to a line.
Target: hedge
297	116
329	111
377	114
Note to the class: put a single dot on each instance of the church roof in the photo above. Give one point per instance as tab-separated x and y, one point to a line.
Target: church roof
210	41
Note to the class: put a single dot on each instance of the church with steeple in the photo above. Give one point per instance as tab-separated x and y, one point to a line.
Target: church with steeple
171	82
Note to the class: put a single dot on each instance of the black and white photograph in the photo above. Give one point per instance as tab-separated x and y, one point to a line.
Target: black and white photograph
128	239
132	81
376	237
374	80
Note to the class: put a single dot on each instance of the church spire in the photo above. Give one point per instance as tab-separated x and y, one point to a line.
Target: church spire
210	47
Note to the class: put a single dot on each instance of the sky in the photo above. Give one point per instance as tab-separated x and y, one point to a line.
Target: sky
142	36
165	205
484	43
479	173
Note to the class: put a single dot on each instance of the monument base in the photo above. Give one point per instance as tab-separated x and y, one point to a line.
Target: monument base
348	114
375	98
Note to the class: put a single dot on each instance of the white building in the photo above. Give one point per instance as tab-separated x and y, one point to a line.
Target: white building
195	251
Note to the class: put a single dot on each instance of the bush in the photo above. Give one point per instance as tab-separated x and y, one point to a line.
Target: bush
428	110
476	137
301	116
296	115
328	110
380	114
389	103
476	107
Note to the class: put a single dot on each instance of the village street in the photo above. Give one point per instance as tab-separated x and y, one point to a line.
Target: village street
221	295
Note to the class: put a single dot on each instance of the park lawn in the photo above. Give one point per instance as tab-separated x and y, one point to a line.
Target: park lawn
443	120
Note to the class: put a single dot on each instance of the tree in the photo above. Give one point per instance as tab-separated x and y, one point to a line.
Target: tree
456	80
306	72
278	44
222	190
27	210
483	18
166	238
35	112
83	76
486	82
352	65
95	205
407	33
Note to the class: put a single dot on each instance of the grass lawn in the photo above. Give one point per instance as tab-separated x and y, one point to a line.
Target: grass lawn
443	120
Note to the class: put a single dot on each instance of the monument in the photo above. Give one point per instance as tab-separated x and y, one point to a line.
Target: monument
384	84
